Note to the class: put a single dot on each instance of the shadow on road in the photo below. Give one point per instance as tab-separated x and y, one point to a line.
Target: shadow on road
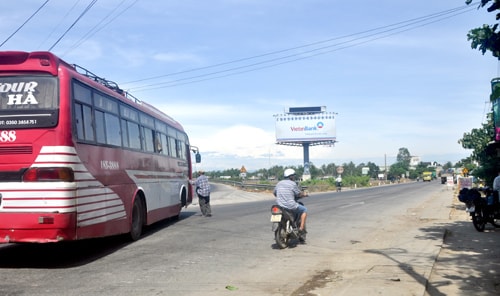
469	261
73	253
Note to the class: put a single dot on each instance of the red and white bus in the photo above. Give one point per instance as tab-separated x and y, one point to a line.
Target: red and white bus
79	158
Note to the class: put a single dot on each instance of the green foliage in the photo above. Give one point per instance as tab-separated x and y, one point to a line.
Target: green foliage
486	38
358	181
477	140
329	183
404	156
397	169
419	169
352	176
448	165
402	166
374	170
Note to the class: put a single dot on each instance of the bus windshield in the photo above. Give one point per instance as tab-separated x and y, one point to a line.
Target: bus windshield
28	101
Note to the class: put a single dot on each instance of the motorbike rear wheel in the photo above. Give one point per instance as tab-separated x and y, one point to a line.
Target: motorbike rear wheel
479	220
281	237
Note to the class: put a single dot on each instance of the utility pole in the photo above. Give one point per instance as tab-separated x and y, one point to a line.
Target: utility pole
385	164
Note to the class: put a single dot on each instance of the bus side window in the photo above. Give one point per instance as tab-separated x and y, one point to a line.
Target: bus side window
157	140
164	143
107	128
181	151
134	135
172	147
79	121
149	143
178	148
83	117
99	127
125	134
112	129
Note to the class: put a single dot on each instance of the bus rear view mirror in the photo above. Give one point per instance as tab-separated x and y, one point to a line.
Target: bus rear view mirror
198	157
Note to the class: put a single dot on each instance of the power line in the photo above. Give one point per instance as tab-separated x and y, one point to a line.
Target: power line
74	23
303	46
97	27
25	22
63	18
189	80
364	37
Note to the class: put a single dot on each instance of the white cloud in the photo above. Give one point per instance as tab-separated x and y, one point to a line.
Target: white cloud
237	140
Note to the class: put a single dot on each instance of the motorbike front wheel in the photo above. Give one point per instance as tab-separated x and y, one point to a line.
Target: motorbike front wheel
281	237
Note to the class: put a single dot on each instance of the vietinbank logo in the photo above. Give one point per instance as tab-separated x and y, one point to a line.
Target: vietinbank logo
318	126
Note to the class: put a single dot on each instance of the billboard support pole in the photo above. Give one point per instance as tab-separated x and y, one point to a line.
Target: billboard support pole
307	172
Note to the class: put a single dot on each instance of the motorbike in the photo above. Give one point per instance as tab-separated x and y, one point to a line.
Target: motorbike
483	210
286	226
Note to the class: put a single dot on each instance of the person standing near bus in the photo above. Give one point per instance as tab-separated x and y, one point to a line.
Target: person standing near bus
496	187
203	191
496	182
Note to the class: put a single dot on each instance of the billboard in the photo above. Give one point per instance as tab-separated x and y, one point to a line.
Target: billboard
305	127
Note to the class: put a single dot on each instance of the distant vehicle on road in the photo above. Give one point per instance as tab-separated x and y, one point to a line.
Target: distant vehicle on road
445	175
427	176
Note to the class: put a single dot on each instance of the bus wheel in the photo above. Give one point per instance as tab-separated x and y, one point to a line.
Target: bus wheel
137	219
183	198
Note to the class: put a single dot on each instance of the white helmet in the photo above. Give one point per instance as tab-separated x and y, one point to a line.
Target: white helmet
289	172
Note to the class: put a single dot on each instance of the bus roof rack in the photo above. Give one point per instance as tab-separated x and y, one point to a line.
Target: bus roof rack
114	86
107	83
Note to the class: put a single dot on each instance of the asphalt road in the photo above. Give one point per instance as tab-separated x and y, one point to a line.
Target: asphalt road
377	241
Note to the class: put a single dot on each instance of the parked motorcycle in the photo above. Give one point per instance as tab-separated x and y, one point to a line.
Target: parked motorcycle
286	226
483	210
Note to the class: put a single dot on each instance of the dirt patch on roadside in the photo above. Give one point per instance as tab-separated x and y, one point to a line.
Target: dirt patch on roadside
319	280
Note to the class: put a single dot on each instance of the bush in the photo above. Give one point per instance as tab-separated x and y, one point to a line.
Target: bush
330	184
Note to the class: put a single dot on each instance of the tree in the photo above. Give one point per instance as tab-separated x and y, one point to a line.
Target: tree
486	38
447	165
374	170
350	169
419	169
404	156
397	170
402	166
478	140
329	169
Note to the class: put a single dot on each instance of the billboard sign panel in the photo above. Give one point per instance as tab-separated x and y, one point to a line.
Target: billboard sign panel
305	127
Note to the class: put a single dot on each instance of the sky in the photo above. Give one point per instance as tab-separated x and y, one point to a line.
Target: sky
398	74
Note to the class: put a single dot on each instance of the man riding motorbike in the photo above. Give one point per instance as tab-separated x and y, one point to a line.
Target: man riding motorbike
287	192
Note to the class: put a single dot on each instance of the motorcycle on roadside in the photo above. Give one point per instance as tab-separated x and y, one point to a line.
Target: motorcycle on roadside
483	210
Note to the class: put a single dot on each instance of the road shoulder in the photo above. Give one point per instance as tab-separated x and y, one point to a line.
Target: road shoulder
469	262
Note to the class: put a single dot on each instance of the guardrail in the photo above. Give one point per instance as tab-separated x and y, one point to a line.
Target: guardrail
250	186
313	188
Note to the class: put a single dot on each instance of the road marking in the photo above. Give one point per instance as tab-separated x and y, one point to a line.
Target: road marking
352	204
